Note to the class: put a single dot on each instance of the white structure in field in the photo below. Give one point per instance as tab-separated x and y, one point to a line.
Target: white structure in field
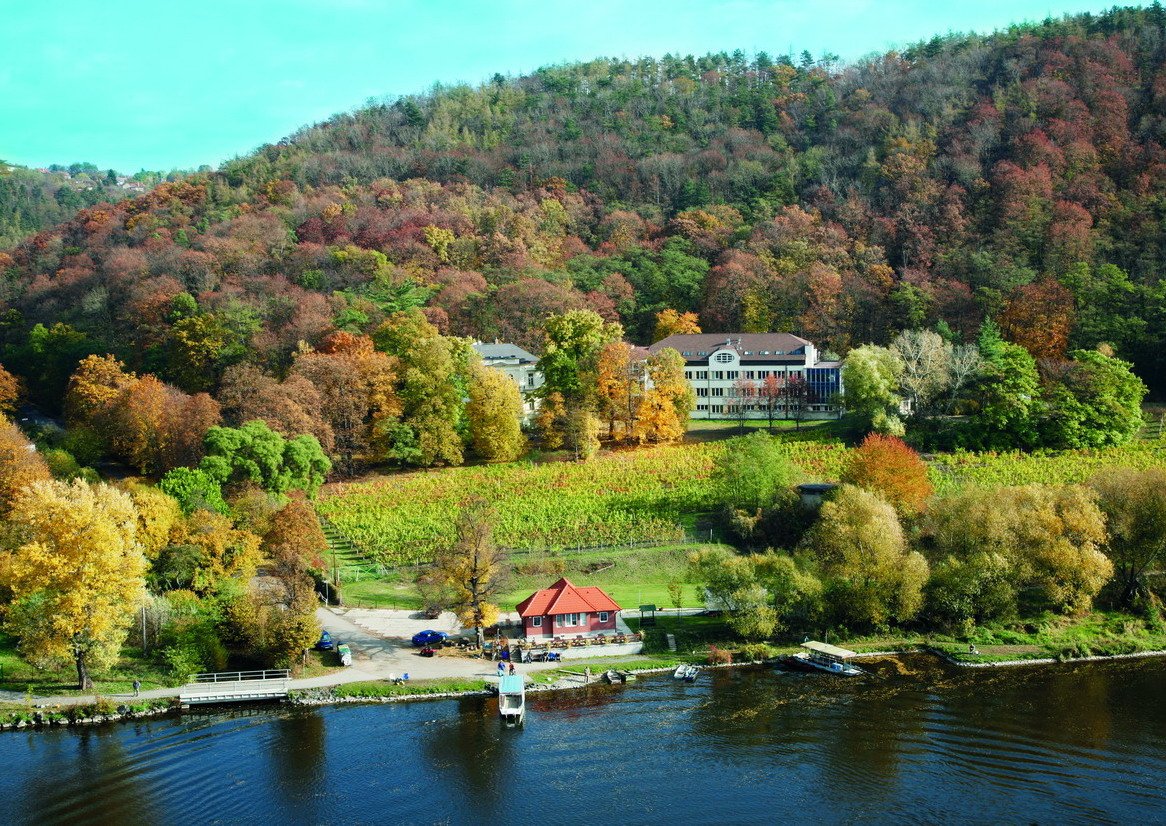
517	363
748	373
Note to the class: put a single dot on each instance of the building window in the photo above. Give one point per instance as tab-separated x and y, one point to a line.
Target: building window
718	391
603	616
723	358
702	407
536	622
731	375
718	375
702	392
530	380
703	374
568	619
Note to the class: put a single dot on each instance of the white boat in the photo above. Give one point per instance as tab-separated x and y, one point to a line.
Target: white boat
821	656
691	672
512	698
680	671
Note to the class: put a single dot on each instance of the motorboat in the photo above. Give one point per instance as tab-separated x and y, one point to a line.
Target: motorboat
613	677
512	699
691	672
821	656
680	671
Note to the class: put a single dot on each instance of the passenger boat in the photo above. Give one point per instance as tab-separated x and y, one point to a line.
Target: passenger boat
821	656
512	699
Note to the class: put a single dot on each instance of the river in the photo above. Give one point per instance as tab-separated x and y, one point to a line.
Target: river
916	741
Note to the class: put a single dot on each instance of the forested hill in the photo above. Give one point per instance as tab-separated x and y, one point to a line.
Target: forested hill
35	199
1018	176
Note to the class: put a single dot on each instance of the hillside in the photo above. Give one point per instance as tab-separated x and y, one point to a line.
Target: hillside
1018	176
32	200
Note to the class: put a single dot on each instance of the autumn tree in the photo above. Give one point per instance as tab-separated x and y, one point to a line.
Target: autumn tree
206	550
9	391
670	323
471	569
1049	538
21	464
75	574
668	404
619	389
871	577
494	413
886	465
290	407
1134	504
295	544
1039	317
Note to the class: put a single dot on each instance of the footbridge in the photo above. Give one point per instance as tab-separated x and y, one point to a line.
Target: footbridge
235	687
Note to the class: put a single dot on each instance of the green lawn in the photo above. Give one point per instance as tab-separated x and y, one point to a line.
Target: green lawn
18	675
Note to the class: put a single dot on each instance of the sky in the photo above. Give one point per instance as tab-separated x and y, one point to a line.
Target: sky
174	84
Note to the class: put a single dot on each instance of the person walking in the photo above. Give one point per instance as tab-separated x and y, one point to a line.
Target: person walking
501	669
137	687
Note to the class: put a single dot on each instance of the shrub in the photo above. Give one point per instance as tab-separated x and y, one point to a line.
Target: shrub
719	656
755	652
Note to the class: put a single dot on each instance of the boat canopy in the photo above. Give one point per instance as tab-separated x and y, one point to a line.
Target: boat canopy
511	685
828	649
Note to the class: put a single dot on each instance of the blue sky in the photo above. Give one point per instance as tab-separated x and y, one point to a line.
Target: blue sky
162	84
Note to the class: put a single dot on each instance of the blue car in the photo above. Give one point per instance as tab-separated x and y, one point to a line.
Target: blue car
429	638
325	643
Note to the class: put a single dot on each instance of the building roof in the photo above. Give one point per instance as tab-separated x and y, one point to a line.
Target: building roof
512	684
566	598
504	350
751	346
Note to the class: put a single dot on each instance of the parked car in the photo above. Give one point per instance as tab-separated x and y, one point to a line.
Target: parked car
325	643
429	637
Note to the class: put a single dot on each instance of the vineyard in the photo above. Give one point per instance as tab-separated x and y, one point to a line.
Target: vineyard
635	496
614	499
995	470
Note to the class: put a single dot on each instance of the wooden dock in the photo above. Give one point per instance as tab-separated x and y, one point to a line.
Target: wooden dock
235	687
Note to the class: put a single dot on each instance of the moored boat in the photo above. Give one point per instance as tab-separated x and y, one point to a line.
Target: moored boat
613	676
691	672
680	671
821	656
512	698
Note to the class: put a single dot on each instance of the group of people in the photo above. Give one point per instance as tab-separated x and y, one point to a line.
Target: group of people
502	669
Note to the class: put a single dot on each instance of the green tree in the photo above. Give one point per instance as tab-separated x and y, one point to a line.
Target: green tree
871	382
1008	393
572	345
753	471
1093	401
1134	504
255	454
871	578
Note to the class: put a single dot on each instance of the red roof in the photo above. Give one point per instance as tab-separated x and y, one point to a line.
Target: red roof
565	598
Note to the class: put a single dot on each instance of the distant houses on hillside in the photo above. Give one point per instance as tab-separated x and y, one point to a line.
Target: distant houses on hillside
731	374
746	374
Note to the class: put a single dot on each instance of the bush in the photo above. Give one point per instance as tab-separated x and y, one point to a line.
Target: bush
755	652
719	656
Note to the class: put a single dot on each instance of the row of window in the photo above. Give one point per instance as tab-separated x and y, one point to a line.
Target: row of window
732	375
567	620
729	356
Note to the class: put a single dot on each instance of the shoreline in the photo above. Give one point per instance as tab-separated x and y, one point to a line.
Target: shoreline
43	717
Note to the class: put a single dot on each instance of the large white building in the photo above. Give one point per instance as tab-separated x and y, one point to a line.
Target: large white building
517	363
729	373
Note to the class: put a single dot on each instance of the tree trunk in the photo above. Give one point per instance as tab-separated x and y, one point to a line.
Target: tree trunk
84	681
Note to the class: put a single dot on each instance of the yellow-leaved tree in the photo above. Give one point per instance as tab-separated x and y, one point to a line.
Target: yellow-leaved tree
494	413
469	573
76	574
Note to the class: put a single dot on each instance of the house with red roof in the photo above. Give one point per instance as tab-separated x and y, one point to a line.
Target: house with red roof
566	609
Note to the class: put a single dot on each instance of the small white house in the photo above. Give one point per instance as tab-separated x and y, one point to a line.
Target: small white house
517	363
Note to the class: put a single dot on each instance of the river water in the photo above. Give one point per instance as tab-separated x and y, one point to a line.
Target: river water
916	741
